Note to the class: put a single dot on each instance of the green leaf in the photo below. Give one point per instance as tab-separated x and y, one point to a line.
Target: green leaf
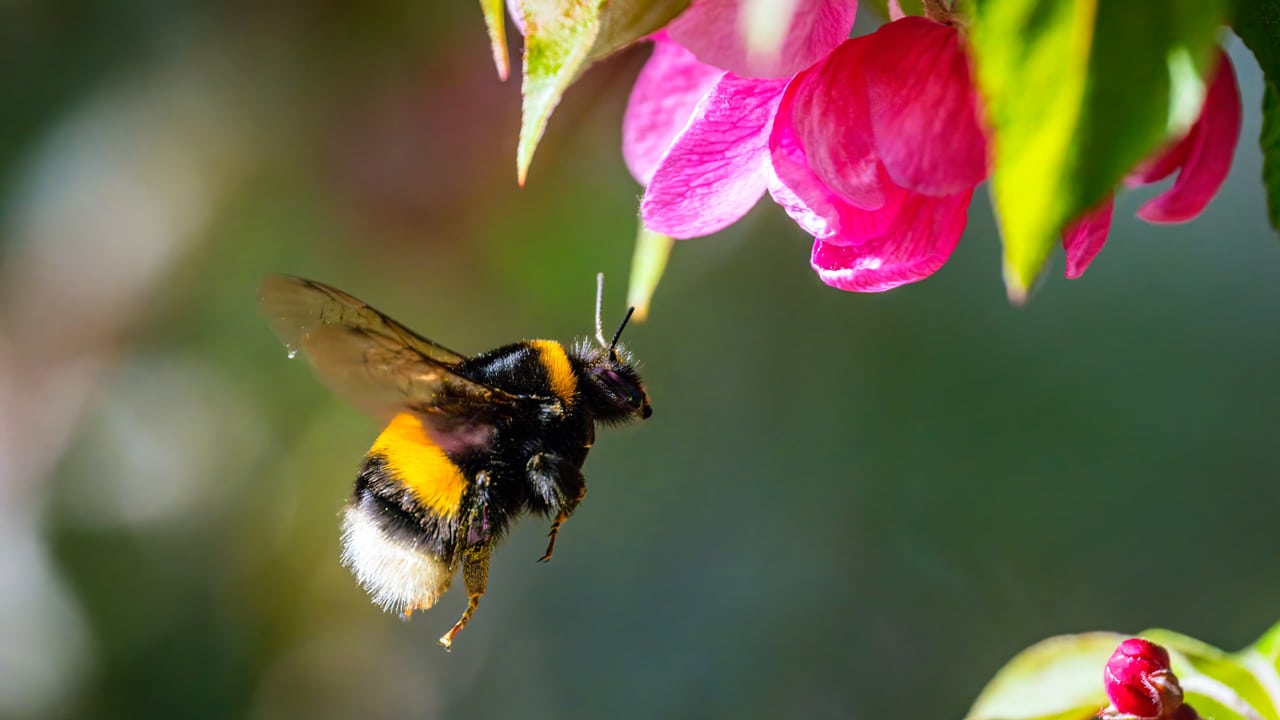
562	37
647	265
1269	139
1258	25
1269	646
1059	678
559	35
495	19
1079	92
623	22
1262	659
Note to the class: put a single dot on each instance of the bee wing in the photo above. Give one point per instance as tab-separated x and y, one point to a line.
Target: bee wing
373	361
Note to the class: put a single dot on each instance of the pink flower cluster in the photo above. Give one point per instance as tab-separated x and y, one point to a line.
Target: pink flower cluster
873	145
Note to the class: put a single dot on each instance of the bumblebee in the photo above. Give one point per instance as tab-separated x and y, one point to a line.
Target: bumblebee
470	444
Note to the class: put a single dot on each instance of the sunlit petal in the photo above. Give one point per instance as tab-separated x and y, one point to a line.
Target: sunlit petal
827	110
712	29
718	166
924	107
925	232
823	212
1211	145
662	101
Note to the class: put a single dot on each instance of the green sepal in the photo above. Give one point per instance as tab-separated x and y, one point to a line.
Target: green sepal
647	266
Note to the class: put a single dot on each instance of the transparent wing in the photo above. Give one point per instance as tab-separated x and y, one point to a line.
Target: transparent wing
371	360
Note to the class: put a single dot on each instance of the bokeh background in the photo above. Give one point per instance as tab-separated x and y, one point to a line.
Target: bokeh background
843	507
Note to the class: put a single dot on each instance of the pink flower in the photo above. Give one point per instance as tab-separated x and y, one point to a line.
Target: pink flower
1141	686
695	134
873	145
877	150
1202	159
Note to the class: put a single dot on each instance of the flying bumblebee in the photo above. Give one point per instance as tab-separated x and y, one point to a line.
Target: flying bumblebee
470	444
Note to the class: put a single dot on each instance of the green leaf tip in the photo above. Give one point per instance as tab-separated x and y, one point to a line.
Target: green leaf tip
559	35
495	20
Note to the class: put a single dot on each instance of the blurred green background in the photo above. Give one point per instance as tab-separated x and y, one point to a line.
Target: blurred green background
843	507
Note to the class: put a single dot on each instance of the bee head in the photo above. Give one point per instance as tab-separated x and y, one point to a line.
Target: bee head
613	387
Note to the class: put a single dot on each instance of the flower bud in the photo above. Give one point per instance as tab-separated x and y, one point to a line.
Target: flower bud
1140	683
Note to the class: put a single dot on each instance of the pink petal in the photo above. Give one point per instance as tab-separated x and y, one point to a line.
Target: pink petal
1212	143
924	107
828	112
712	30
1085	237
823	212
918	242
718	166
1162	164
662	100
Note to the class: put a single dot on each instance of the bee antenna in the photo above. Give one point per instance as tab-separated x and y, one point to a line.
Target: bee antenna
618	334
599	303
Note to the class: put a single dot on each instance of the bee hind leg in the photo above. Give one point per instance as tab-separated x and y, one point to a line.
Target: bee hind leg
475	572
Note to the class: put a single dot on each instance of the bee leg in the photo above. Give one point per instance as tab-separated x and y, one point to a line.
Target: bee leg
558	484
563	515
475	572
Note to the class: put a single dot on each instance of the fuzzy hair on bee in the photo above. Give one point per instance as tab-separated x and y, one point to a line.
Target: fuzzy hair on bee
470	443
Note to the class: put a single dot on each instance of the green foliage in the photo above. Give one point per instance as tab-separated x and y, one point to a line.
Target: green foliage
1061	678
1058	678
1269	139
1258	24
622	22
559	35
1078	93
562	37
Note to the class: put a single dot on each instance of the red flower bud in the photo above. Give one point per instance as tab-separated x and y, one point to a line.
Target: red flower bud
1140	683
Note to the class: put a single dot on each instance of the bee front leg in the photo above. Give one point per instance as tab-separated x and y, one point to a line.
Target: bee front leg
560	486
475	572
